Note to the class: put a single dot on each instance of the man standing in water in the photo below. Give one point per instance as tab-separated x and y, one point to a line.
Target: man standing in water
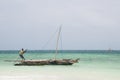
21	52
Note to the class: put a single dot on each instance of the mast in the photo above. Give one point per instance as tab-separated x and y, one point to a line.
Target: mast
58	41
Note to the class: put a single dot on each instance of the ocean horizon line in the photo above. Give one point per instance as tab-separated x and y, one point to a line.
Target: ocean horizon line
63	51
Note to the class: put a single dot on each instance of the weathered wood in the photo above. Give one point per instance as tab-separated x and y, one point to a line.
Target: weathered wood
47	62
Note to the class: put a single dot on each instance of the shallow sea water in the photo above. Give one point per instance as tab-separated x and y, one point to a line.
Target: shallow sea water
92	66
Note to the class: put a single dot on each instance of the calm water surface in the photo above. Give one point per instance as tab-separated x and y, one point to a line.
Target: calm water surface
93	65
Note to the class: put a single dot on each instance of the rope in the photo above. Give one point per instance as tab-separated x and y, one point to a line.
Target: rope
49	40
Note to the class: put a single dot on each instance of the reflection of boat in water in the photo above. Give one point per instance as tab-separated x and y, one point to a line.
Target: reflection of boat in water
49	61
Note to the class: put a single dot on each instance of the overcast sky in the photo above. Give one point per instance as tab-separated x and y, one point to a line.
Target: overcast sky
86	24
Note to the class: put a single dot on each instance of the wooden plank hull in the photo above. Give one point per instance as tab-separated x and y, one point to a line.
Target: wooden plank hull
46	62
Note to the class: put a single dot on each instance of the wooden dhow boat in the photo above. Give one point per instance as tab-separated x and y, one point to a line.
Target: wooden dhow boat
49	61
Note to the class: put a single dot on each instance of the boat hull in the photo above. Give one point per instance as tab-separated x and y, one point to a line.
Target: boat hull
46	62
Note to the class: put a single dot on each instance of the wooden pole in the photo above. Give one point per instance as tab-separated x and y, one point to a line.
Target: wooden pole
58	41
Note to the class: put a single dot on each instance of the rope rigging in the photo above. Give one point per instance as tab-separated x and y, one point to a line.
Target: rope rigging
51	38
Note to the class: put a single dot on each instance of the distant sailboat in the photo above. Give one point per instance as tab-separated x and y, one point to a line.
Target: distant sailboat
49	61
109	50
